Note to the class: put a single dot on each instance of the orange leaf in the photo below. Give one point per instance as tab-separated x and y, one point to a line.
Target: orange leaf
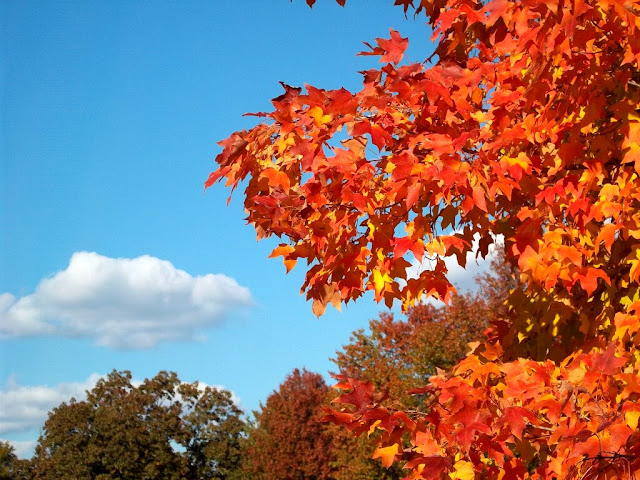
607	235
386	454
479	198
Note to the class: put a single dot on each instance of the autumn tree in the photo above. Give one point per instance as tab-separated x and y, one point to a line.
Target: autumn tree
161	429
400	355
288	442
396	356
523	125
12	467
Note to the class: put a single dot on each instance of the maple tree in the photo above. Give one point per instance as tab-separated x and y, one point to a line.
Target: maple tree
524	124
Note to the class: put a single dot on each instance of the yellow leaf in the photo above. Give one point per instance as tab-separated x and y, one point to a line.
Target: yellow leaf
608	192
515	58
285	142
379	280
390	166
386	454
557	72
463	470
318	117
436	247
479	116
631	417
372	230
373	426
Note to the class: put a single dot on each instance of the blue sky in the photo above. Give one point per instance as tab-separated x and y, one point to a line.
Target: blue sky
111	255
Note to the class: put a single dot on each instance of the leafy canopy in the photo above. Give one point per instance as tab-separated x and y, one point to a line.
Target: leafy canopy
525	125
161	429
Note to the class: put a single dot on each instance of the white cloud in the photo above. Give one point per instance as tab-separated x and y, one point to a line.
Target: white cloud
122	302
24	408
461	278
22	448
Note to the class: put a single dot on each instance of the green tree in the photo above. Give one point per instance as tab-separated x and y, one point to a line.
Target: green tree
7	459
12	467
161	429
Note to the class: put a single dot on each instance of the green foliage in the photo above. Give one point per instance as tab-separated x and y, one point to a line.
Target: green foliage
162	429
7	461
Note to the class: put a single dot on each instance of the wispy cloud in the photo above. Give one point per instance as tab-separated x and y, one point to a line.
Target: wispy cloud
122	303
24	408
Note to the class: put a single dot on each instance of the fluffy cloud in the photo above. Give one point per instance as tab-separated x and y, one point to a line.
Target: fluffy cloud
122	302
23	448
24	408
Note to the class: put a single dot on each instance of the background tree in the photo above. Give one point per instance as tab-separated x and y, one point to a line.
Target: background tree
288	442
161	429
7	460
352	458
12	467
525	123
400	355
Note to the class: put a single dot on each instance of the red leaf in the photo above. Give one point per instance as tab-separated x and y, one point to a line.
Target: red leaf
607	363
413	192
515	417
402	244
394	47
479	198
361	395
213	178
391	50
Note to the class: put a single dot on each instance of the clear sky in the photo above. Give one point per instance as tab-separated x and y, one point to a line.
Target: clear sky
111	254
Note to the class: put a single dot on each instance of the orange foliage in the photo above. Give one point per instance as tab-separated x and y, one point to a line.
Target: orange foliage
525	124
